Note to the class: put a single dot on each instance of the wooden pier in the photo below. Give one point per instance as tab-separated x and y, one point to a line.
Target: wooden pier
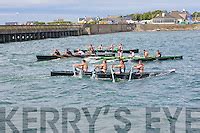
19	33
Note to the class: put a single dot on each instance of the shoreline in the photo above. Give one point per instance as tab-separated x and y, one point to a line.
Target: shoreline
17	33
167	27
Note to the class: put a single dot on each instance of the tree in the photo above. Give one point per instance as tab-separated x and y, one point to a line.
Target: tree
145	16
59	23
196	14
39	23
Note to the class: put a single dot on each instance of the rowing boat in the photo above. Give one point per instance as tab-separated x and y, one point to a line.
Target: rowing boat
108	75
68	73
52	57
113	51
137	58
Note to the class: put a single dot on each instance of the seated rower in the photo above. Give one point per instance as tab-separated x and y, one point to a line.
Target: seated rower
100	47
80	52
91	49
56	52
111	47
158	53
121	67
132	54
102	66
120	53
120	47
139	67
146	54
68	53
83	66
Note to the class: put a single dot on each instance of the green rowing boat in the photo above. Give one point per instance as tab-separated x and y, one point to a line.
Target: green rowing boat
137	58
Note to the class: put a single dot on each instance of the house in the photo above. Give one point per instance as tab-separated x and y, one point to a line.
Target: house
146	22
31	22
115	20
88	20
129	20
164	18
174	17
11	23
181	17
196	19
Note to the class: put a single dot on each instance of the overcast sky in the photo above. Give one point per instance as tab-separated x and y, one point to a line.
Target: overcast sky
49	10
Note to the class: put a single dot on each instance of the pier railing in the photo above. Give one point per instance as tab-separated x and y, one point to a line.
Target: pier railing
15	33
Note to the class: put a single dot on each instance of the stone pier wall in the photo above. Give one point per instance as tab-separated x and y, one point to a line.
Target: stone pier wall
166	27
107	28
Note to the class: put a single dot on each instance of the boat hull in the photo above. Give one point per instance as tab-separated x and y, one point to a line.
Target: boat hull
143	58
52	57
108	75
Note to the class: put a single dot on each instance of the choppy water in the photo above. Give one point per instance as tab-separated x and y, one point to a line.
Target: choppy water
24	81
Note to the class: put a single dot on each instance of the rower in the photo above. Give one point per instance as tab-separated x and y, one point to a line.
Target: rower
120	47
146	54
83	66
158	53
120	53
100	47
80	52
68	53
111	47
91	49
139	67
132	54
102	66
56	52
121	66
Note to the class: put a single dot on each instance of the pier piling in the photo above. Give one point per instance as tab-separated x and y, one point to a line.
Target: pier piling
19	33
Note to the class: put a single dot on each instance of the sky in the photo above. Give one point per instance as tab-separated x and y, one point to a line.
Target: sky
49	10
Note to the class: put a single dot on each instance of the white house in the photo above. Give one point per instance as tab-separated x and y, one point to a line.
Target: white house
164	18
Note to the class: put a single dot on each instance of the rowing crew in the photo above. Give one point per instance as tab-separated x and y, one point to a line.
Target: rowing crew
66	53
103	67
92	51
120	53
146	54
111	47
69	53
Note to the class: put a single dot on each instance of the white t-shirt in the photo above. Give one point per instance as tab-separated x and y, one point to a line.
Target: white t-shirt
81	53
132	54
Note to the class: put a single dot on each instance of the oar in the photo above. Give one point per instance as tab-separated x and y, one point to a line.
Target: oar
74	70
80	74
130	76
113	76
93	74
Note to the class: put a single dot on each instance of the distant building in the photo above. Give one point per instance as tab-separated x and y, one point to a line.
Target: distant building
116	20
181	17
196	19
88	20
129	20
59	20
31	22
146	22
164	18
174	17
11	23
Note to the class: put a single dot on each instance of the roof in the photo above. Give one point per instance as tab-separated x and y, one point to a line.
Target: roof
87	19
113	17
183	15
164	15
81	19
176	14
